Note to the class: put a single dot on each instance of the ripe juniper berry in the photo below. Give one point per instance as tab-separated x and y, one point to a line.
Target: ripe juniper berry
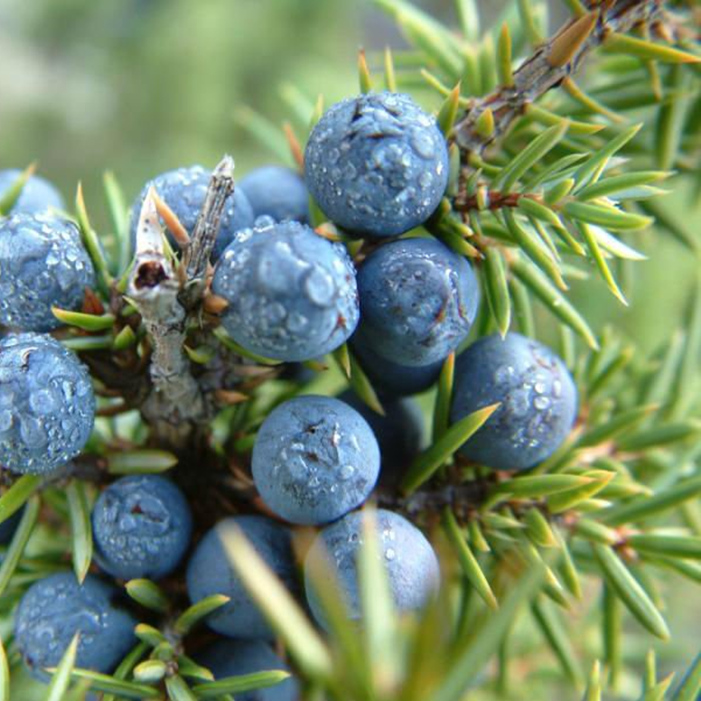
141	527
38	194
277	192
292	294
230	658
314	460
537	394
210	571
47	404
42	264
390	378
418	300
377	164
54	609
411	563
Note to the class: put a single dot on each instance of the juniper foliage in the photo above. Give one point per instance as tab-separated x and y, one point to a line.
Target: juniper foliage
559	145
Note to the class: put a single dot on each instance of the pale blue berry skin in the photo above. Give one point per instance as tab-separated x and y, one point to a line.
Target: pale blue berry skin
142	527
400	432
209	571
42	264
47	404
231	658
377	164
537	394
38	194
292	294
410	561
184	190
9	526
314	460
54	609
277	192
392	379
418	301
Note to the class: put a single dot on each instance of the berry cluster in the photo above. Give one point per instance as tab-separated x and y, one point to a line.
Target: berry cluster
377	165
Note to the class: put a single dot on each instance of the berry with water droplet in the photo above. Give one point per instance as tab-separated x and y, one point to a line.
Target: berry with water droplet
418	301
314	460
42	264
54	609
292	294
377	164
537	394
47	404
141	527
410	562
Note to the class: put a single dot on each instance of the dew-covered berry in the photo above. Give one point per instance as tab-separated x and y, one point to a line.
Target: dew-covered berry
210	571
184	190
232	658
42	264
47	404
410	561
38	194
537	394
141	527
292	294
377	164
418	301
277	192
390	378
315	459
400	433
54	609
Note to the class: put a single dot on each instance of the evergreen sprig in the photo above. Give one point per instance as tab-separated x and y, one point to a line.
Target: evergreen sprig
555	172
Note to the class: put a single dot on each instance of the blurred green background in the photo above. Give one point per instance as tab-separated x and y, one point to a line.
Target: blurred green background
143	86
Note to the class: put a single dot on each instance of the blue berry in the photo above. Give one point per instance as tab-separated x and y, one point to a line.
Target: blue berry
141	527
314	460
210	571
54	609
277	192
184	190
231	658
47	404
537	394
418	300
291	293
411	563
400	433
377	164
42	263
390	378
9	526
37	195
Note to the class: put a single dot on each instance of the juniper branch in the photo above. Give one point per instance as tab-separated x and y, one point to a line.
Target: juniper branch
197	253
549	66
167	297
175	401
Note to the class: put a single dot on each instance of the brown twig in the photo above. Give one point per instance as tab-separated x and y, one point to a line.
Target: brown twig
550	64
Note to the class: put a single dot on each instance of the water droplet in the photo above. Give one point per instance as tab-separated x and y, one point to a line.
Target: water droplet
541	403
503	374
